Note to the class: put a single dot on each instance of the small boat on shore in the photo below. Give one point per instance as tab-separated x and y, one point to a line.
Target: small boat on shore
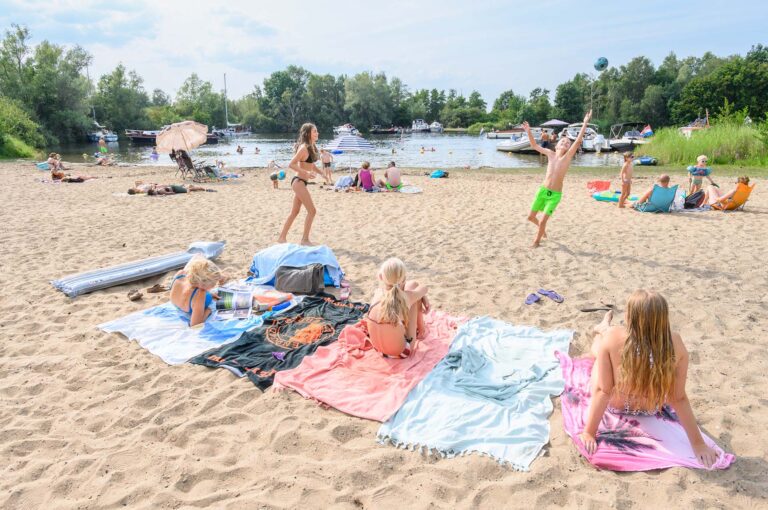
520	143
504	134
419	126
593	141
626	136
435	127
378	130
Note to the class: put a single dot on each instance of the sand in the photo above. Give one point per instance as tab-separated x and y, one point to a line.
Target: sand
90	420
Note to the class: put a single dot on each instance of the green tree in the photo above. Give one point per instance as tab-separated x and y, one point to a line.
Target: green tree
120	100
283	98
368	100
325	98
197	101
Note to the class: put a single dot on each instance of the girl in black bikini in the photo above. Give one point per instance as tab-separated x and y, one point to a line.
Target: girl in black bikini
303	163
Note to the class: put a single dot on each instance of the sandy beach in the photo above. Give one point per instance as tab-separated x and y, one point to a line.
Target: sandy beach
91	420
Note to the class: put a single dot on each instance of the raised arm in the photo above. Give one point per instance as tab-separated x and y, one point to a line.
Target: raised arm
576	145
535	146
682	406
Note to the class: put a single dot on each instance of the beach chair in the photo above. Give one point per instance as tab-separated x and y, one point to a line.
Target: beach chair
738	200
660	201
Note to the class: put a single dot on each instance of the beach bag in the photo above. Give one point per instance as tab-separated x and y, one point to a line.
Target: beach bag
694	200
678	203
300	280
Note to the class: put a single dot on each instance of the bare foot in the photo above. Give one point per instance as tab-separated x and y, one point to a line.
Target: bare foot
606	323
281	240
307	242
535	244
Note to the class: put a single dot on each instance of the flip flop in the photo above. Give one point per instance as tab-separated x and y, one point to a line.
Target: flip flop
532	298
551	294
157	288
135	295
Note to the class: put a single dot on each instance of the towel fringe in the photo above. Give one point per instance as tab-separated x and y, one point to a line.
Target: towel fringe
447	453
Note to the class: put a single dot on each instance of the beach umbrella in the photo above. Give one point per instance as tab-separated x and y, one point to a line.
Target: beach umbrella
554	123
349	144
185	135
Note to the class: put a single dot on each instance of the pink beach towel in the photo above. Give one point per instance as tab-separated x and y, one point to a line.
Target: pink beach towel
627	443
355	379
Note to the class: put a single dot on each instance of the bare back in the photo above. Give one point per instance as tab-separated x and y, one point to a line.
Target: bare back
613	341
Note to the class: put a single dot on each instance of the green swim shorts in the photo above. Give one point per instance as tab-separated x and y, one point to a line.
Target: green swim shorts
546	200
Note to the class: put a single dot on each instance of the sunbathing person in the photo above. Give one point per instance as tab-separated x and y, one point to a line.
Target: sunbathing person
391	179
717	198
58	174
190	289
396	316
173	189
662	181
639	368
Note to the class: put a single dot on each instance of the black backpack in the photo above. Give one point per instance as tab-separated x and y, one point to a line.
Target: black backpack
694	200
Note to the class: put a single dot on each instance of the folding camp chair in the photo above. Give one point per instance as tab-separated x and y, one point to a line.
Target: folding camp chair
738	200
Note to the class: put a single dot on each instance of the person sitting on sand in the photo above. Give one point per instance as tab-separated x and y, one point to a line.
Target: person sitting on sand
190	289
365	177
639	368
58	174
396	316
662	181
697	173
717	198
105	160
391	179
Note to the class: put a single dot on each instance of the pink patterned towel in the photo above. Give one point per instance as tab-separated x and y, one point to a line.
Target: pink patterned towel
627	443
355	379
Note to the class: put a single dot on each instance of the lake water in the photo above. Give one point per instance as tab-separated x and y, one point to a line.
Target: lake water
450	151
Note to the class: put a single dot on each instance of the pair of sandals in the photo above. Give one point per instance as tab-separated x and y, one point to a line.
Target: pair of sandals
534	297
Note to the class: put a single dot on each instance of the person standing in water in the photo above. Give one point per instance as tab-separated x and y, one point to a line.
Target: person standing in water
303	164
551	190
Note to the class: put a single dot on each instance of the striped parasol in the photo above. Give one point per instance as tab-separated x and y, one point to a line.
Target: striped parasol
349	143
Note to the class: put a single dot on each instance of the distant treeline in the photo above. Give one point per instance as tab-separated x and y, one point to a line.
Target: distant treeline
46	97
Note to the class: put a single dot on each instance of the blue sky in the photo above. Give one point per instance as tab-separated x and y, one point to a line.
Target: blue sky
490	46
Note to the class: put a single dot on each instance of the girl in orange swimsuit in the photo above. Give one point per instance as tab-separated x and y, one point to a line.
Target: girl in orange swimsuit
396	316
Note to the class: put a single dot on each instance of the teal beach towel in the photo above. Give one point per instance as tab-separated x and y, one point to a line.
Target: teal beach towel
490	395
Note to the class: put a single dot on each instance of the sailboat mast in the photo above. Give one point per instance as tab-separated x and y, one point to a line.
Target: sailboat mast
226	113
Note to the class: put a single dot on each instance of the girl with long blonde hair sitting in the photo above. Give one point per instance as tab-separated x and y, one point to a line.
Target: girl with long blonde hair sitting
640	368
190	289
396	315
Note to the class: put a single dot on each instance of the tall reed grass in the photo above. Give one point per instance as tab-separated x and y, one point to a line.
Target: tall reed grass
723	144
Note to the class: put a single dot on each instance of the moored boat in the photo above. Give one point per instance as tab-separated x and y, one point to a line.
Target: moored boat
345	129
419	126
435	127
504	133
520	143
593	141
626	136
149	137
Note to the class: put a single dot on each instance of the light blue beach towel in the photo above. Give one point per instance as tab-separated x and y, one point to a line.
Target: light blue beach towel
82	283
163	332
491	395
265	263
660	200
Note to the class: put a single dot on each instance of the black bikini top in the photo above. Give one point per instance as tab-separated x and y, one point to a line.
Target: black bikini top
311	157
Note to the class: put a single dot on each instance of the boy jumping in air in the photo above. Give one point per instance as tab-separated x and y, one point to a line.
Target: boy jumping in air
551	190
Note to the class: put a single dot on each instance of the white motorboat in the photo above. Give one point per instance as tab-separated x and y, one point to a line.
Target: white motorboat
435	127
232	131
419	126
593	141
626	136
504	134
345	129
101	132
519	143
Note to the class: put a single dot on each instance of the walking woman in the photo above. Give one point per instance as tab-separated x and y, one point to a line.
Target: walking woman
303	163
